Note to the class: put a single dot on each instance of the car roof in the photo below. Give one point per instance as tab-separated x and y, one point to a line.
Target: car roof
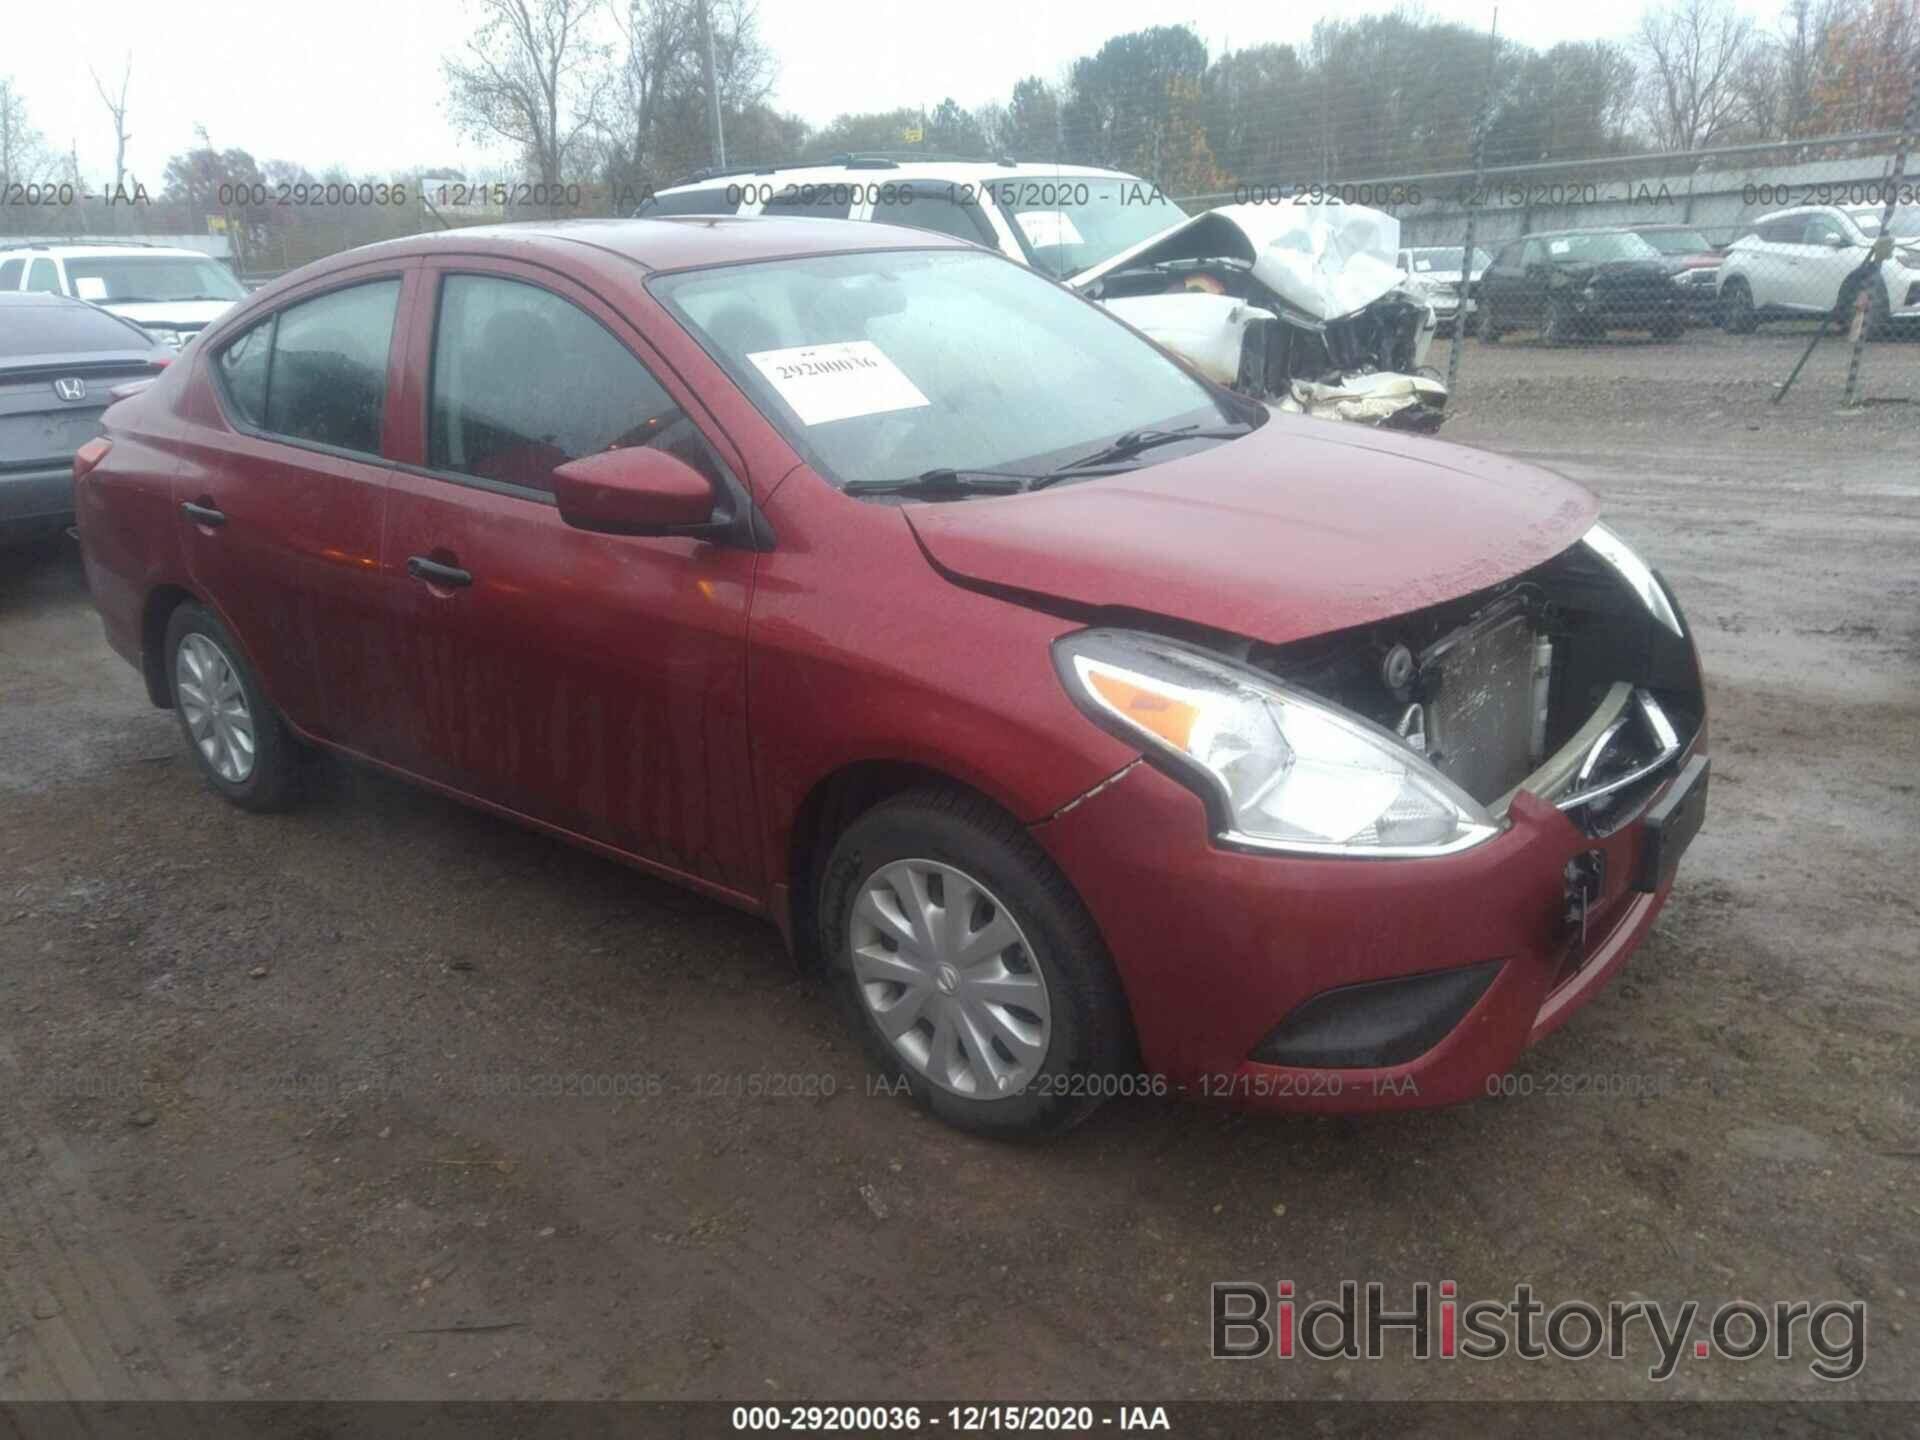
1584	230
101	252
895	169
25	298
669	243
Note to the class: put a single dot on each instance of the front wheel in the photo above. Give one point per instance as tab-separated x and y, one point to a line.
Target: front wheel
236	736
972	970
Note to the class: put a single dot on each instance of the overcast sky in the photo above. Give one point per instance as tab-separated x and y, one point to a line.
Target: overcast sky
357	82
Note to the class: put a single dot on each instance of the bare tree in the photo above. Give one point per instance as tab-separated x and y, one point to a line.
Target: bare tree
117	108
23	151
1692	52
659	122
532	74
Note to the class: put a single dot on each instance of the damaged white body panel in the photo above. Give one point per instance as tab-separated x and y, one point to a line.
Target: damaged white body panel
1302	305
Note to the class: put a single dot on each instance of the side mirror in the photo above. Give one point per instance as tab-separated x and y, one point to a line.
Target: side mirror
634	491
1836	242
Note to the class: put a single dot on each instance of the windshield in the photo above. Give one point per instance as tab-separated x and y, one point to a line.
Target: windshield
883	365
1906	221
1073	222
1676	242
1446	259
1593	249
116	279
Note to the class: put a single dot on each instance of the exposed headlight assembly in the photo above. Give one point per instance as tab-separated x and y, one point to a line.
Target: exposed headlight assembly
1278	768
1635	571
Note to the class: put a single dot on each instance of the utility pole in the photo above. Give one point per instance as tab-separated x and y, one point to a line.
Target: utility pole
713	89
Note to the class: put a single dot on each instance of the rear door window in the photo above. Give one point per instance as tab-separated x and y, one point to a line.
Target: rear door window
317	370
10	273
524	381
929	205
825	199
714	200
42	278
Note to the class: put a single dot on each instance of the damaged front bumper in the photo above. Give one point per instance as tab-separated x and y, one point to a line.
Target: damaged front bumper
1299	305
1567	701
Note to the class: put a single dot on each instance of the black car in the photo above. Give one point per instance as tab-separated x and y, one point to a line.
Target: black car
59	361
1579	284
1693	261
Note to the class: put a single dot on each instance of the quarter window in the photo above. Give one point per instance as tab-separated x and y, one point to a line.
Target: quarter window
524	381
10	271
243	369
41	277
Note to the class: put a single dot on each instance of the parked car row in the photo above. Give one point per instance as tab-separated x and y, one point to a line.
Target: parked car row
1792	264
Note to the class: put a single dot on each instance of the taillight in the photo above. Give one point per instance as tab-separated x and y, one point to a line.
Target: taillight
90	455
160	362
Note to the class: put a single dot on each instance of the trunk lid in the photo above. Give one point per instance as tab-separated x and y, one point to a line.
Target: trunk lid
1301	528
39	427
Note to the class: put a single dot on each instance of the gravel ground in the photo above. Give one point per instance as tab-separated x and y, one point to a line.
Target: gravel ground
277	1123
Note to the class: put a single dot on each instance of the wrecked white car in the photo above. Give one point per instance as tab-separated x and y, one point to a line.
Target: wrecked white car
1301	305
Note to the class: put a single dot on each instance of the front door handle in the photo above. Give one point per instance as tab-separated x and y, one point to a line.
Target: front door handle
202	514
434	573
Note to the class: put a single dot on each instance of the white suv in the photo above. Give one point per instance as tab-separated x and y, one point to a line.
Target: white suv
171	294
1796	263
1059	219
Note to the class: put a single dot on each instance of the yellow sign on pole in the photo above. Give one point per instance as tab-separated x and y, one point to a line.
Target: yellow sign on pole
216	224
913	134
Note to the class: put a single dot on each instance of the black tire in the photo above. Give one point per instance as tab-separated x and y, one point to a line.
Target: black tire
272	780
1490	333
1558	326
1090	1044
1736	308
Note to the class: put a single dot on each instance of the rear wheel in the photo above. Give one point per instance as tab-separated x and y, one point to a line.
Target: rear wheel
1736	308
970	967
236	736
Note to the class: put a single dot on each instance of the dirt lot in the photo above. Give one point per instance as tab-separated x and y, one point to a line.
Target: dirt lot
275	1124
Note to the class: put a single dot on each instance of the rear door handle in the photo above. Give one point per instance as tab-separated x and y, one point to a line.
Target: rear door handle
434	573
202	514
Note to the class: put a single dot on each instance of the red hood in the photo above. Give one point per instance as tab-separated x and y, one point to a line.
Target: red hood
1303	527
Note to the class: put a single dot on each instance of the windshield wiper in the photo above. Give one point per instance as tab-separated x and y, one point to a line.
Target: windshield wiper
944	483
1133	443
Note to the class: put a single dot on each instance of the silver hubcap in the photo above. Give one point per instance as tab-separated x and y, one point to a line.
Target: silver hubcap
949	977
215	707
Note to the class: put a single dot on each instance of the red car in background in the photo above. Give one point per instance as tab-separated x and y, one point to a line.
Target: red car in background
1100	730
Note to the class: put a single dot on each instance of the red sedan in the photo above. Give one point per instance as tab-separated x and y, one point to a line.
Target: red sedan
1098	729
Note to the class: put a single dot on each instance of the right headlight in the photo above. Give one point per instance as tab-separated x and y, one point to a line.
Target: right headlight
1279	769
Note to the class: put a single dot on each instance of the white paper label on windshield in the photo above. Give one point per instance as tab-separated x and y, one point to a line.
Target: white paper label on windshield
1049	227
89	287
824	383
